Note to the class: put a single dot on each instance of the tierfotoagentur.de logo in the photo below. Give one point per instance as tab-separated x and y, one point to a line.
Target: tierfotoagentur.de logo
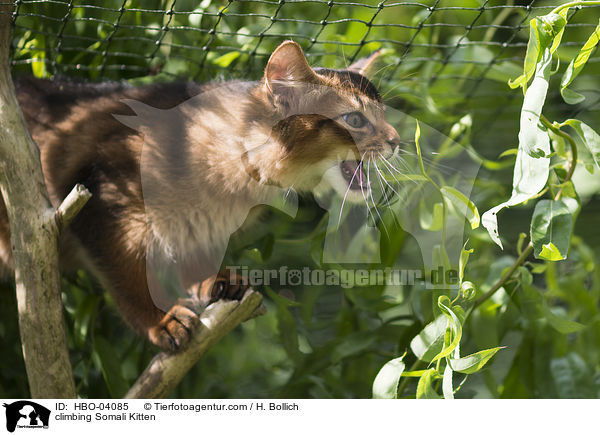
25	414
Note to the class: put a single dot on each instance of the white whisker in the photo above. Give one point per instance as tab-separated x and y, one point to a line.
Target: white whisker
394	168
362	190
404	163
380	177
371	192
347	191
389	164
432	162
287	193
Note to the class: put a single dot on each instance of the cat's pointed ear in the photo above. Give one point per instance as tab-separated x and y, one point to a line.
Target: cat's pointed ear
365	65
287	67
143	114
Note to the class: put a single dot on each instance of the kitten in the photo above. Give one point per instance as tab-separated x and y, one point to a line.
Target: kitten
175	168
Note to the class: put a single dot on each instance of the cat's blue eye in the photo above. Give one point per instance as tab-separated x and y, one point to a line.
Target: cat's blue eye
355	119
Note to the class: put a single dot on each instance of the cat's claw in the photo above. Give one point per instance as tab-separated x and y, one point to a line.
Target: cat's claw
175	329
223	287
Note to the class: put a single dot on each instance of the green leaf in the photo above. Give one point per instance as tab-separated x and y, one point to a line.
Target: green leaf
254	255
558	23
453	324
467	290
463	124
551	227
352	344
570	96
508	152
447	387
225	60
462	262
430	340
37	48
462	205
38	67
544	32
110	365
386	382
529	178
280	300
532	139
413	374
474	362
561	323
83	318
531	58
396	177
431	220
572	377
503	71
425	386
576	66
551	253
532	165
587	140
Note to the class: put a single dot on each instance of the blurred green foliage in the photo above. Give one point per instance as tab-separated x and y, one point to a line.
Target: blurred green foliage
442	60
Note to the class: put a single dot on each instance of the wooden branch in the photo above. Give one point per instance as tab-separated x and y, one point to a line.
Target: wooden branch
34	238
71	205
166	370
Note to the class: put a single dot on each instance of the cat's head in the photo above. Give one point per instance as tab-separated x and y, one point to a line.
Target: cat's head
327	121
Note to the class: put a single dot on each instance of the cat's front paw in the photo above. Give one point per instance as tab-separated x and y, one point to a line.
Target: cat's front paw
224	286
175	329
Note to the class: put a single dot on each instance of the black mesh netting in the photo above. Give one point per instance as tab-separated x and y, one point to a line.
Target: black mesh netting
445	58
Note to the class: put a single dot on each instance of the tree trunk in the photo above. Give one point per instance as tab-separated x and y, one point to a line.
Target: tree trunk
34	237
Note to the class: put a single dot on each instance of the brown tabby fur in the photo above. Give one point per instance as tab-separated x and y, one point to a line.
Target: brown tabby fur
81	141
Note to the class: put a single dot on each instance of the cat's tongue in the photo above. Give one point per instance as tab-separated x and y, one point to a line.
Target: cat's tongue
354	176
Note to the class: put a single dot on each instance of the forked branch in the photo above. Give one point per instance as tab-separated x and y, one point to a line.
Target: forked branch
166	370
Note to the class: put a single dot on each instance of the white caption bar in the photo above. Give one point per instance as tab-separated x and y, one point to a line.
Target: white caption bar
307	417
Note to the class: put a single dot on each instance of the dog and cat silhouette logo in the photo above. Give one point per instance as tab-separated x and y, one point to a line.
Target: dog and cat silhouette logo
26	414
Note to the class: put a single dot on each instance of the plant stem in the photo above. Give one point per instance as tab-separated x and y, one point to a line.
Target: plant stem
404	382
526	253
444	206
557	9
494	25
573	145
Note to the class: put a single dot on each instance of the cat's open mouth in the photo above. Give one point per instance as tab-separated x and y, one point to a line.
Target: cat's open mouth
352	172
